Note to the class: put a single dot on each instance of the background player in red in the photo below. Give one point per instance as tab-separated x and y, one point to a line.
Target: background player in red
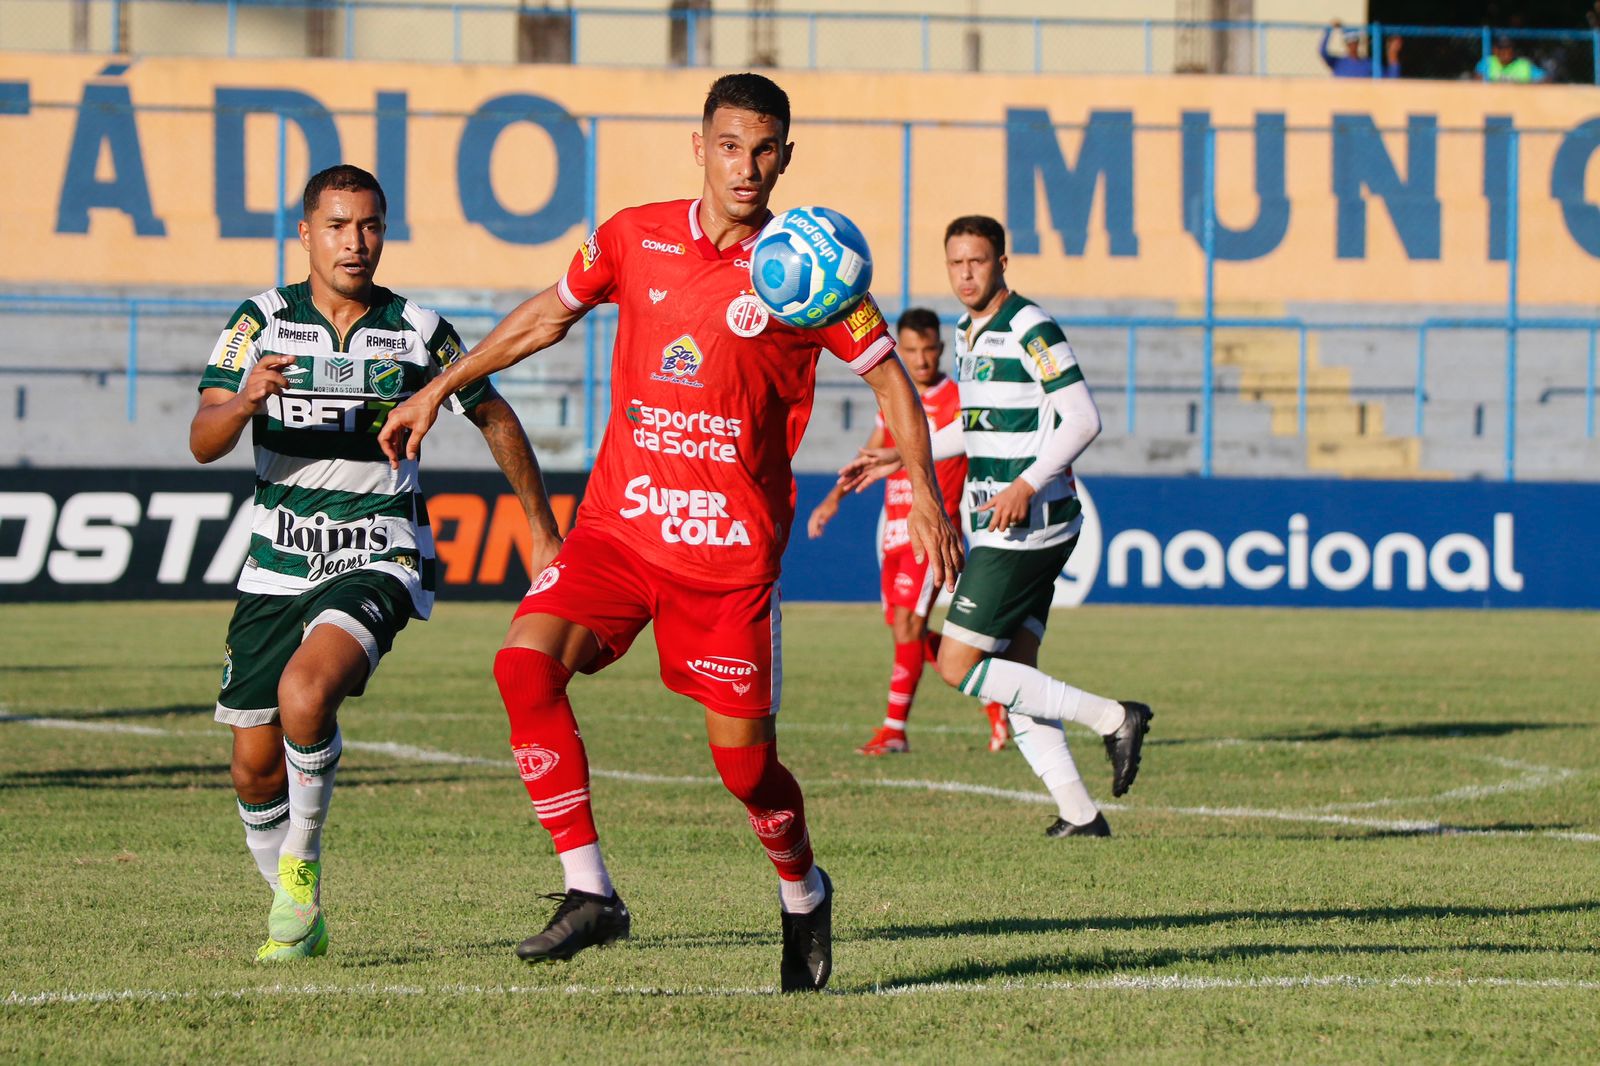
907	585
687	510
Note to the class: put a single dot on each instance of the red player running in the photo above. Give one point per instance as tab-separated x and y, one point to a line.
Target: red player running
907	584
687	510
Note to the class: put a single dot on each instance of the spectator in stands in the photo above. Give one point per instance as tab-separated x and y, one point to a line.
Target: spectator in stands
1355	62
1503	64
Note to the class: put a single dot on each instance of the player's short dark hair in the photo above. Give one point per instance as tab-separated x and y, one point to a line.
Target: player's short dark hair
342	178
979	226
748	92
918	320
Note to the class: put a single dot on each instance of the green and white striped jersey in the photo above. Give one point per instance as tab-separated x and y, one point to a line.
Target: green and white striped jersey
327	502
1006	367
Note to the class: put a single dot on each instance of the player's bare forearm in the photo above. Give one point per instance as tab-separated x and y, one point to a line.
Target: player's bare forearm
216	427
508	443
931	534
533	325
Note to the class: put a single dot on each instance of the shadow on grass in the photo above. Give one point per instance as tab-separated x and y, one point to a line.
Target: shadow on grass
210	775
1420	730
111	714
1002	926
1109	963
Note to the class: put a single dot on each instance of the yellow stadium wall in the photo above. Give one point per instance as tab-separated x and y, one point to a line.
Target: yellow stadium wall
179	190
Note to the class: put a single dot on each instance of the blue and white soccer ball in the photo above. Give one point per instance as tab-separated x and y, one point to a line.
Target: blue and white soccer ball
810	266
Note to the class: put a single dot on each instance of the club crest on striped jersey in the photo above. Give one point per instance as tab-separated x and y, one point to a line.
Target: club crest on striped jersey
533	762
386	378
747	315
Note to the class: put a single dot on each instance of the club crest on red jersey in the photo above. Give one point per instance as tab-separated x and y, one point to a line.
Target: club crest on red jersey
680	362
747	315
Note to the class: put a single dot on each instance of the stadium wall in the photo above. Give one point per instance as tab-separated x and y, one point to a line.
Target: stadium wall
164	172
150	534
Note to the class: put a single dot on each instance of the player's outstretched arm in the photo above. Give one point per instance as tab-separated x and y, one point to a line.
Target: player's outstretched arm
533	325
508	443
931	534
216	426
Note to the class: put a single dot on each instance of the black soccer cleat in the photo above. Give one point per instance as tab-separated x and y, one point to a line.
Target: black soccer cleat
808	945
1063	828
584	920
1122	746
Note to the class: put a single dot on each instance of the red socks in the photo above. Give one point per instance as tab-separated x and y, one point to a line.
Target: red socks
546	743
772	796
908	659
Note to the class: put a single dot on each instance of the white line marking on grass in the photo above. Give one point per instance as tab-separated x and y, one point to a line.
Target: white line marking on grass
86	727
1141	983
1533	777
1547	775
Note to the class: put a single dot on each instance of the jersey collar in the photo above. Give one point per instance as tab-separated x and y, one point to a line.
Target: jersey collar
711	251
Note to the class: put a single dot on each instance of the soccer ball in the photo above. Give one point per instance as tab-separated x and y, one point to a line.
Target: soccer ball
810	266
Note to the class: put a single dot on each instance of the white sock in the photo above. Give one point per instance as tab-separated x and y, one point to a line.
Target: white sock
1034	693
1044	745
802	896
585	871
265	826
311	771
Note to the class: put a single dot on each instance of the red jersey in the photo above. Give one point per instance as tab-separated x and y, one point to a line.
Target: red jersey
710	395
942	404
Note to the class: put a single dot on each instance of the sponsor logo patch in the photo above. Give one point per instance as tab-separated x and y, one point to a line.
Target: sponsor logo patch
657	295
306	334
449	351
661	246
680	363
387	341
864	318
965	604
1044	359
239	339
227	665
590	250
747	316
721	667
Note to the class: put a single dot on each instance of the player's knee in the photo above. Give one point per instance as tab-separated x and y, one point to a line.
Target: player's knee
259	776
952	668
750	773
307	699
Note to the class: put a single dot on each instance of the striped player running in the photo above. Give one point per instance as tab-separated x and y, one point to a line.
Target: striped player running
1026	414
341	557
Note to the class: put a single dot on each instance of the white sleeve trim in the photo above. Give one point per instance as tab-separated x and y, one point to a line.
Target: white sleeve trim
949	442
874	355
564	291
1080	425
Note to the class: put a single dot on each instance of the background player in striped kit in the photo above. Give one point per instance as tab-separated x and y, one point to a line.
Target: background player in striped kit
907	585
341	557
1026	414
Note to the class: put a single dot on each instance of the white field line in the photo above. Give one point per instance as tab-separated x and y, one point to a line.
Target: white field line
1125	983
1546	776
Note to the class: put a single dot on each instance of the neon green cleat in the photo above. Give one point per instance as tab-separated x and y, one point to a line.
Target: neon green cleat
296	902
313	944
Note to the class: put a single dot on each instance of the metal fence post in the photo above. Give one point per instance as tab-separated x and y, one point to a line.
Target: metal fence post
349	30
1300	387
1149	48
1209	231
590	340
1261	47
1512	253
811	40
233	28
279	221
1594	53
116	26
133	360
906	186
455	32
1038	47
1375	48
1419	395
576	15
927	45
1129	388
1588	391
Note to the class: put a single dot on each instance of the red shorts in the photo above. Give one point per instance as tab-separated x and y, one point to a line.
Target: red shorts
906	583
719	645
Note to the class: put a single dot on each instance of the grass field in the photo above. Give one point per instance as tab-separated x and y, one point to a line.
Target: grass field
1358	836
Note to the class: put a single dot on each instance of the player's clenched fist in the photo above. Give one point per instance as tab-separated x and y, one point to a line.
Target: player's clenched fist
402	432
266	379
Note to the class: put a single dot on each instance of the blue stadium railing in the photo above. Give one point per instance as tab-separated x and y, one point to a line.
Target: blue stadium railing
599	332
902	40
